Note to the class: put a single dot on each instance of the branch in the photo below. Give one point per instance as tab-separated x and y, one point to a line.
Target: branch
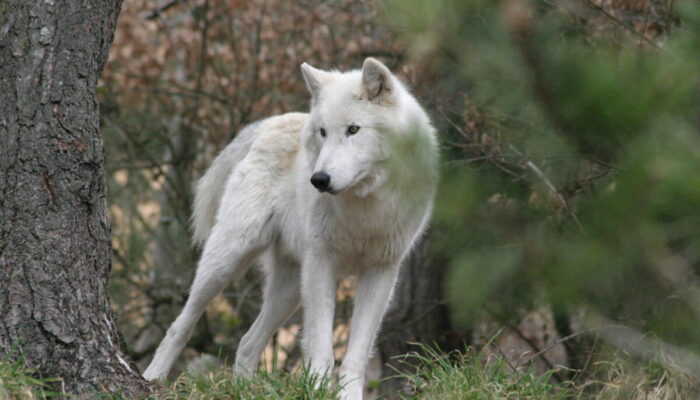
551	187
466	136
561	340
539	352
627	27
158	11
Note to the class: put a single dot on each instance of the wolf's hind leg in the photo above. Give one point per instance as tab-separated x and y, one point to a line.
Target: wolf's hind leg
226	257
281	299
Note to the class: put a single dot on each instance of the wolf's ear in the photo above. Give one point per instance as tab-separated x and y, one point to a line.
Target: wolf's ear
315	78
377	81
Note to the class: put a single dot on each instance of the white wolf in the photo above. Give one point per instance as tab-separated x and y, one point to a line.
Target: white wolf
346	189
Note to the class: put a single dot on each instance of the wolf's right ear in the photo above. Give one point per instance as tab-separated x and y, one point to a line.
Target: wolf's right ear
377	81
315	78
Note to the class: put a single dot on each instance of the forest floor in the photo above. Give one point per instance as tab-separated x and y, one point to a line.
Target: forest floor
469	375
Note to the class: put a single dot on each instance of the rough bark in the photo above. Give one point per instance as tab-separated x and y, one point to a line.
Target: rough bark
418	314
54	231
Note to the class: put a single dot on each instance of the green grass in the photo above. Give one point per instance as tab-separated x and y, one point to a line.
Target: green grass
19	382
222	384
432	375
469	376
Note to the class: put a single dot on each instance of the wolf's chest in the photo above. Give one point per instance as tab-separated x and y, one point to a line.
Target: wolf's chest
367	239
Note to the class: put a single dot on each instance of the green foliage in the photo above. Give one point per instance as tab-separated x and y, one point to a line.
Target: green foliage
576	145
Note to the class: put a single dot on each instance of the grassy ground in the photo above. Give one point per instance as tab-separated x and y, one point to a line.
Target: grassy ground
18	382
458	376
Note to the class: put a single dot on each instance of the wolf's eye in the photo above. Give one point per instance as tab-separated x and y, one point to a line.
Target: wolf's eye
323	132
352	129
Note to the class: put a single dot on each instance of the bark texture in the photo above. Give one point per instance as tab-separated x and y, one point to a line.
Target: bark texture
54	231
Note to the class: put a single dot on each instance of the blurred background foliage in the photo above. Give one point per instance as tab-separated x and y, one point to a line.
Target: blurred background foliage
568	217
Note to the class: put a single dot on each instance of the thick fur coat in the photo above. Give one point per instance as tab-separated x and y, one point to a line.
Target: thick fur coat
344	190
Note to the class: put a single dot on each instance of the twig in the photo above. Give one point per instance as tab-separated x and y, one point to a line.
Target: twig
158	11
464	134
590	354
551	187
561	340
481	158
527	340
505	357
627	27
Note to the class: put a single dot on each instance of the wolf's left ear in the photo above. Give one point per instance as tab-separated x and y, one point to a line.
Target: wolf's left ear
377	81
315	78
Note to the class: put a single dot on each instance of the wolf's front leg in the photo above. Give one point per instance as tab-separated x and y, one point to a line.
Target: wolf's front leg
318	284
372	296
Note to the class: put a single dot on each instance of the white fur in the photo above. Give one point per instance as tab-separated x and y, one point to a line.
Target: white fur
256	202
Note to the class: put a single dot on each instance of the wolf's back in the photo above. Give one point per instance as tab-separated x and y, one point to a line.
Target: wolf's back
211	186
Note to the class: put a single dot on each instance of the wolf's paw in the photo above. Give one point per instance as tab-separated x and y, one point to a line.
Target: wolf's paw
152	374
351	391
351	386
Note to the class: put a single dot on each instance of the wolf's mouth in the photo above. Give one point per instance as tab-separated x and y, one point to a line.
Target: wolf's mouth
329	191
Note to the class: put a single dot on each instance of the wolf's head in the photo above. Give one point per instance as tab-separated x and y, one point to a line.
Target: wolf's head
351	115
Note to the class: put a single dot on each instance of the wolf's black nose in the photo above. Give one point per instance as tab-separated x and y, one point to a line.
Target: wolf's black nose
321	181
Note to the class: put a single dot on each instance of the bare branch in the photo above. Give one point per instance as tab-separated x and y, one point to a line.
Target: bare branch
627	27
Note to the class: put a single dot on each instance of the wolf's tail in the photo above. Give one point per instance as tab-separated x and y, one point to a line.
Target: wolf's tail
210	188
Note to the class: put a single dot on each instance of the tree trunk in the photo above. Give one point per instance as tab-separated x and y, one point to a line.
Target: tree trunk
418	314
54	231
